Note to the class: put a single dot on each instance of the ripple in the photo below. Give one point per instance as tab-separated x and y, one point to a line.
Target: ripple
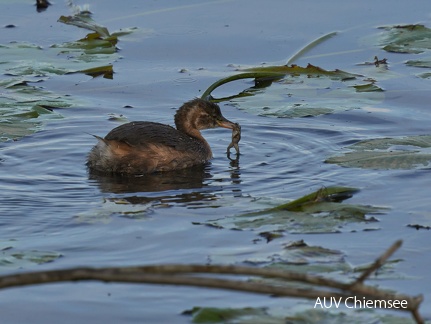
185	80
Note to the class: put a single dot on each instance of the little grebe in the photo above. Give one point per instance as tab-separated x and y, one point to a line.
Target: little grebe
144	147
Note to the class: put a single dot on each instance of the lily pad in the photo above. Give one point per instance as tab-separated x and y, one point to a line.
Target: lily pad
301	257
407	39
115	207
10	258
295	91
24	107
314	213
301	96
422	63
410	152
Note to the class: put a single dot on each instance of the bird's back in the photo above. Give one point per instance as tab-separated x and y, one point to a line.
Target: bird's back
144	147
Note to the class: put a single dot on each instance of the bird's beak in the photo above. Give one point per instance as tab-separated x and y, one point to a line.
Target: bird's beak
223	122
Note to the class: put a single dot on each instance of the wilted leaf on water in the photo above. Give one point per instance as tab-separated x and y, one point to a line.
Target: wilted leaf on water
115	207
369	87
407	39
24	109
96	51
85	21
318	212
301	96
310	71
105	71
91	44
410	152
325	194
12	258
303	258
98	42
423	63
301	253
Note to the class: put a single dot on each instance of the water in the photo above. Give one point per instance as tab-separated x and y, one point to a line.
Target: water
49	202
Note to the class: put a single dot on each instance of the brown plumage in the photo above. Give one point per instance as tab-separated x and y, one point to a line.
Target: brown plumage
145	147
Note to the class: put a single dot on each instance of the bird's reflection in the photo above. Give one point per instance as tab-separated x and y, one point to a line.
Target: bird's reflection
191	186
189	178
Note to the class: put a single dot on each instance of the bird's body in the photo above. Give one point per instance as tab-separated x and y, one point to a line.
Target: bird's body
145	147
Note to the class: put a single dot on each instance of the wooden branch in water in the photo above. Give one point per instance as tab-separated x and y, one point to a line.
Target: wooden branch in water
379	262
192	275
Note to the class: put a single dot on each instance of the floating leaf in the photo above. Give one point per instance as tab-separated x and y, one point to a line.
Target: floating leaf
23	109
105	71
410	152
310	71
230	315
407	39
423	63
115	207
294	91
369	87
11	258
301	96
300	253
85	21
326	194
314	213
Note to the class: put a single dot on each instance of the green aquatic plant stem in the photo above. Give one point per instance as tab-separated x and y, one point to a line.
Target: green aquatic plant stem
248	75
310	47
265	74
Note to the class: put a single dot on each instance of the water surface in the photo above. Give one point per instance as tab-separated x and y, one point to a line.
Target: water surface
49	202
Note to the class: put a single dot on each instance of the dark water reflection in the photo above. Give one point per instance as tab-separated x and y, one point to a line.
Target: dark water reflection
191	178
